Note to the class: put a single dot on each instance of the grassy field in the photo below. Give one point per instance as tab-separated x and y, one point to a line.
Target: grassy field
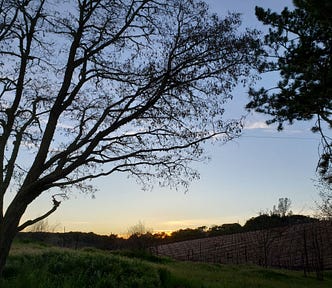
35	265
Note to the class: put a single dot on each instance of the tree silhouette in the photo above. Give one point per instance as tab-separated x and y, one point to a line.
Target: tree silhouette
298	45
93	87
284	205
325	204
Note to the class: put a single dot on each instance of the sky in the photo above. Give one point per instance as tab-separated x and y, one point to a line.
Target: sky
243	177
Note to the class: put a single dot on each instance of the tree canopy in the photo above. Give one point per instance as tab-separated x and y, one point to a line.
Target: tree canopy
93	87
299	46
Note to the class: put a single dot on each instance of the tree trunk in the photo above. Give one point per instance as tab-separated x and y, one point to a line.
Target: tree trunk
8	230
6	239
9	225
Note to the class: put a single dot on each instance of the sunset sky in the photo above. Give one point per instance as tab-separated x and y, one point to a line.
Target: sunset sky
244	176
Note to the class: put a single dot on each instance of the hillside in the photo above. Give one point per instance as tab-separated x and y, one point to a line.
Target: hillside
32	265
305	246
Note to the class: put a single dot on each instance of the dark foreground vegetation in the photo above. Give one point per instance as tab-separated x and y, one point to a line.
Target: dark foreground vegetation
38	265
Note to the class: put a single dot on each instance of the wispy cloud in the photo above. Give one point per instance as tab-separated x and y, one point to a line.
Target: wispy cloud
77	222
256	125
185	223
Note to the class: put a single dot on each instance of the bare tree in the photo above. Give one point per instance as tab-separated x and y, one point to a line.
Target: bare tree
93	87
324	206
284	207
138	229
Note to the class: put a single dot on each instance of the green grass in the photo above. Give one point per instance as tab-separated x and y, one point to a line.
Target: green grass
231	276
35	265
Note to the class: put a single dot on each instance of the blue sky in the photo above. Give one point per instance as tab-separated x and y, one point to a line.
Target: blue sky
244	176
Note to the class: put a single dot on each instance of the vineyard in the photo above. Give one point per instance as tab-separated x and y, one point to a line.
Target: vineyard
304	246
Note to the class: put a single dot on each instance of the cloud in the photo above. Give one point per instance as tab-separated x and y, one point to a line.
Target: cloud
77	222
185	223
256	125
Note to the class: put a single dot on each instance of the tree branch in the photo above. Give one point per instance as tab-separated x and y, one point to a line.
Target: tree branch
56	204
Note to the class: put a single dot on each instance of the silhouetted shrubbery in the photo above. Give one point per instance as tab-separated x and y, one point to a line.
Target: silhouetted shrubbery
136	241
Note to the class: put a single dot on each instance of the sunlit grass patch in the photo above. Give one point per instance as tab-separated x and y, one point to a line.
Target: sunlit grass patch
30	247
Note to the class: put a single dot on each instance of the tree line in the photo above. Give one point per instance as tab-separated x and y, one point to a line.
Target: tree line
143	239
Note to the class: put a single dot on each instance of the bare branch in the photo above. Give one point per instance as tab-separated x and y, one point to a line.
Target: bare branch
28	223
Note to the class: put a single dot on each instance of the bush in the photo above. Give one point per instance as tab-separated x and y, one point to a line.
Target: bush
83	269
